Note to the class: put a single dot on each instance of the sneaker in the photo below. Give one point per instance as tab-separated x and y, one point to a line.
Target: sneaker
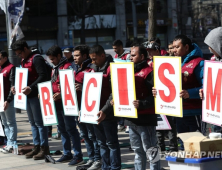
86	165
76	161
57	136
127	129
3	148
121	128
64	158
96	166
7	150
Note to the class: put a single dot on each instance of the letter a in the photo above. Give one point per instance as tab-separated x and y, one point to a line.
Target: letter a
68	94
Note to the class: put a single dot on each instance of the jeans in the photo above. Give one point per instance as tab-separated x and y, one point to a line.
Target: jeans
67	128
39	131
188	124
142	138
121	121
87	133
172	134
106	134
9	122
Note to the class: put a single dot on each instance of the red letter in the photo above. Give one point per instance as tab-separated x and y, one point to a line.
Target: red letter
167	82
90	108
46	101
122	85
217	90
20	85
68	95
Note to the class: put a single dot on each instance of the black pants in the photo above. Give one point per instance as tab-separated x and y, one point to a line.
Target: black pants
172	135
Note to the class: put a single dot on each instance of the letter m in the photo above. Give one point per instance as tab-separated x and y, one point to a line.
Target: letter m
211	95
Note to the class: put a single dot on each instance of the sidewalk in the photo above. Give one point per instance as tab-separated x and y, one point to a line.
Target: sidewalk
18	162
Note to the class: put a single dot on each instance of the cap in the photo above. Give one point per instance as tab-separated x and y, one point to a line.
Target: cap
67	50
151	45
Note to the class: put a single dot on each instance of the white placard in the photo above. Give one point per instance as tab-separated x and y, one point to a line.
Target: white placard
91	93
2	133
123	89
68	92
1	93
21	79
167	81
49	115
162	123
212	101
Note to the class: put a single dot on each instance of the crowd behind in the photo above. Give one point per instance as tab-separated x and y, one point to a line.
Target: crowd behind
101	140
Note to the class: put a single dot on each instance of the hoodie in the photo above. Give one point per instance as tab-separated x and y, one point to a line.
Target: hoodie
214	40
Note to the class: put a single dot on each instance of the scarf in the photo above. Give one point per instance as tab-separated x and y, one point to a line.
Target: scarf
56	69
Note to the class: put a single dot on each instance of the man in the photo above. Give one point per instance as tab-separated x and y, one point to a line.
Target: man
214	42
81	58
170	49
37	73
120	52
106	130
8	116
68	54
66	124
142	130
192	81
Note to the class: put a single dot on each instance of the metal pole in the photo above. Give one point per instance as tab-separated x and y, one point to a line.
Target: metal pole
134	20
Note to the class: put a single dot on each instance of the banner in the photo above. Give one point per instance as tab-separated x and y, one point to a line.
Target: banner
68	92
49	115
1	93
162	123
14	12
91	93
167	81
21	79
123	89
2	133
212	112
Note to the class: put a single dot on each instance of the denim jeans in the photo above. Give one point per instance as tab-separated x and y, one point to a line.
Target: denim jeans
87	133
39	131
9	122
67	128
106	134
142	138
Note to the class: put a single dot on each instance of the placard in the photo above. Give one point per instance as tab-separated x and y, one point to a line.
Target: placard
167	81
68	92
21	79
162	123
1	93
123	89
2	133
47	104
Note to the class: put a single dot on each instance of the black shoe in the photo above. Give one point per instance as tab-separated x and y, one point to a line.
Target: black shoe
64	158
76	161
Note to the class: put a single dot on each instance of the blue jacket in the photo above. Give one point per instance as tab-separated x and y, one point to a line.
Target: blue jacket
194	93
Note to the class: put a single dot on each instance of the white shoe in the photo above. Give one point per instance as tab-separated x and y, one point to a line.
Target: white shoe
121	128
127	129
3	148
96	166
9	149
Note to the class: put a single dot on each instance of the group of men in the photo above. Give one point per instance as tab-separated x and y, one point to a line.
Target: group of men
101	140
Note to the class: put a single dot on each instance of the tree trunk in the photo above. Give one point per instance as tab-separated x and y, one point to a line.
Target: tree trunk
152	19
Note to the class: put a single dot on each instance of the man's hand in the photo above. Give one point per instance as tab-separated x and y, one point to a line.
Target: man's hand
6	104
184	94
56	96
13	90
136	103
154	91
101	116
112	102
201	93
27	90
78	86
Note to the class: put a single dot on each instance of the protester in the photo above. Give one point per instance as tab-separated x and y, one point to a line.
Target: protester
214	42
8	116
37	73
170	49
106	130
120	52
192	81
81	58
68	54
66	124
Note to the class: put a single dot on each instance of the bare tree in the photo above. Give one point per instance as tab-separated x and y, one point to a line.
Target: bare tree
152	18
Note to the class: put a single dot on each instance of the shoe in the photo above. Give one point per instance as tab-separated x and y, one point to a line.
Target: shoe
121	128
7	149
44	150
35	151
85	166
76	161
96	166
127	129
64	158
3	148
57	136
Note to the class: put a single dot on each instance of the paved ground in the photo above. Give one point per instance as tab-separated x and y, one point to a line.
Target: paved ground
17	162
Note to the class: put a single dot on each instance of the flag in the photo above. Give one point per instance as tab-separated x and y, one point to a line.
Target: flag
2	5
15	10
